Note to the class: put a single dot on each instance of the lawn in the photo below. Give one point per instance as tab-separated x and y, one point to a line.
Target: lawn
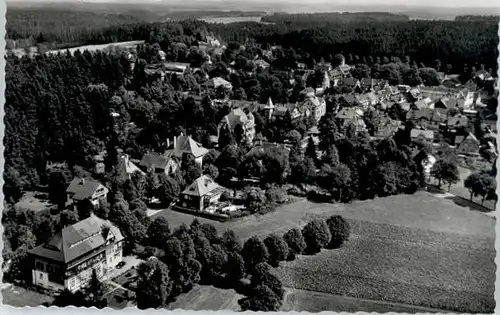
315	302
16	296
34	201
411	249
207	298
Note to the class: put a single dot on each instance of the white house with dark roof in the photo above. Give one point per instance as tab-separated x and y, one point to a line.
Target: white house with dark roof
86	189
202	194
68	259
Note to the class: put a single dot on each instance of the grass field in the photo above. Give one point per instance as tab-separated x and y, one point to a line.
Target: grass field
33	201
207	298
411	249
16	296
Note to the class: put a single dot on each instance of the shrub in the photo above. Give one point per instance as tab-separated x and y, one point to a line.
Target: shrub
339	230
316	235
277	249
276	194
295	241
226	196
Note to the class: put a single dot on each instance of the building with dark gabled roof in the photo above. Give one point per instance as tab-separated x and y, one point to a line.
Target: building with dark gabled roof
81	189
68	259
203	193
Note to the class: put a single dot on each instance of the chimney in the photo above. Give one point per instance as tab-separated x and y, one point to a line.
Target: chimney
82	182
168	143
175	141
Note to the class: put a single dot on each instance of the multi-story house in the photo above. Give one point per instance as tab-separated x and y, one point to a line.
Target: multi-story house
68	260
243	118
86	189
317	106
201	195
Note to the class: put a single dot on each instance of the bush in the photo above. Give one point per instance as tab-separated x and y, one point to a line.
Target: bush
339	230
226	196
277	249
276	194
295	242
316	235
295	191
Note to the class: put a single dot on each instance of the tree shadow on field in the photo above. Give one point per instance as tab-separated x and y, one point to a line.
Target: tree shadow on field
468	204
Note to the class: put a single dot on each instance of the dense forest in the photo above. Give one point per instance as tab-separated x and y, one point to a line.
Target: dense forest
455	42
335	17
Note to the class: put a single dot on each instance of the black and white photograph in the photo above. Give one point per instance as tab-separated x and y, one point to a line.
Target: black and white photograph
258	155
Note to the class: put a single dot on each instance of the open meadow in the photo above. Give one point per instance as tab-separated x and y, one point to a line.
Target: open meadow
410	249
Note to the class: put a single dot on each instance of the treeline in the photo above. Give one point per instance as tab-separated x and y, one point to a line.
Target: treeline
335	17
478	18
32	26
456	42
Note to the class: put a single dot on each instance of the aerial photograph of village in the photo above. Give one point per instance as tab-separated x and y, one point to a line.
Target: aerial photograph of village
260	156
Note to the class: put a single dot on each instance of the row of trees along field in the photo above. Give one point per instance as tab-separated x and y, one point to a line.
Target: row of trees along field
454	42
196	254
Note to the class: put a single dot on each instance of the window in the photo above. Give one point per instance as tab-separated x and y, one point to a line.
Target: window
40	275
40	265
72	283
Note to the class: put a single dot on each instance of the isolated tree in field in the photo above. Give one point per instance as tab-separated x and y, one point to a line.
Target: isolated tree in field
254	251
316	235
339	229
480	184
295	241
277	249
153	285
262	299
158	232
445	171
231	242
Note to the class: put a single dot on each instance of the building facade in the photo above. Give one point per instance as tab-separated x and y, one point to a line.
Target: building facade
68	260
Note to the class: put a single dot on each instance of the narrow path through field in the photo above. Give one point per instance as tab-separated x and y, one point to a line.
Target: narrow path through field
294	304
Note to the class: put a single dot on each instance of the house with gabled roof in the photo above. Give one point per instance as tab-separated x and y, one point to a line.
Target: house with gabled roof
468	145
186	145
350	83
203	194
426	118
214	83
426	136
317	106
386	127
81	189
457	121
69	258
128	166
166	163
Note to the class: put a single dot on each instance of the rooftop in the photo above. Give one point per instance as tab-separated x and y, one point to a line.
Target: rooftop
78	239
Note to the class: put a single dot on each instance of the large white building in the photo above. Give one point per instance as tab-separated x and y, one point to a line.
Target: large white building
68	259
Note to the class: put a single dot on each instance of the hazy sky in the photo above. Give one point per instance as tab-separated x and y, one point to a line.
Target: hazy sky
439	3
